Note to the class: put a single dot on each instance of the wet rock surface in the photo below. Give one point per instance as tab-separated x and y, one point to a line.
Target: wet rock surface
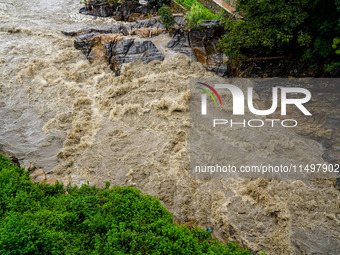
129	10
117	49
131	50
117	28
40	176
181	44
200	43
119	44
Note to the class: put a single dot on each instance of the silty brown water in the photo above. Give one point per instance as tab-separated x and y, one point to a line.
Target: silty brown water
134	129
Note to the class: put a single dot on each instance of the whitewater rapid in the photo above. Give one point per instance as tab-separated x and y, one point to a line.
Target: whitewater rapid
71	117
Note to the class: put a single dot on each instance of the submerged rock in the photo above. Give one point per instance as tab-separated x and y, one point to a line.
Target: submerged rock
117	49
119	44
131	50
15	161
199	43
38	175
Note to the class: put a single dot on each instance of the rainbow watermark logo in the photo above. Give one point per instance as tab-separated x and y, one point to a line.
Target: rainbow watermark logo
204	96
239	99
251	128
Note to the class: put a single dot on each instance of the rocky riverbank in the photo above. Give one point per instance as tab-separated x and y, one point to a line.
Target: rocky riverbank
119	44
129	42
199	43
123	43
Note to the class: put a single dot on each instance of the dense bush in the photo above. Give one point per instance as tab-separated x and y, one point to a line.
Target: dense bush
44	219
167	18
299	28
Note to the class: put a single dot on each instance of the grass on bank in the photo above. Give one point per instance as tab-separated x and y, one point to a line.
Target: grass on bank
196	12
39	218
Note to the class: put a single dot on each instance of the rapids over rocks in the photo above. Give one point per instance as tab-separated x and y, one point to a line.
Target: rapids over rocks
76	118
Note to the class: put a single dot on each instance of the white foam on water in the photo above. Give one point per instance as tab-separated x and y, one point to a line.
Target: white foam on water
134	130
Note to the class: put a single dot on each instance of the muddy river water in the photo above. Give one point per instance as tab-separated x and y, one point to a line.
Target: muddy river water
71	117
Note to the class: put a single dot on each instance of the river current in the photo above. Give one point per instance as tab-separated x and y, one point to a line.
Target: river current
71	117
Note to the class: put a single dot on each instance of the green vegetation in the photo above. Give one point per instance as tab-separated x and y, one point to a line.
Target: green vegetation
167	18
336	42
45	219
196	12
297	28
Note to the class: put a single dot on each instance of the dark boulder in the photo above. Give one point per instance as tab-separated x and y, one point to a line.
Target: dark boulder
132	50
201	42
145	9
83	42
117	49
98	9
181	44
143	50
117	28
129	10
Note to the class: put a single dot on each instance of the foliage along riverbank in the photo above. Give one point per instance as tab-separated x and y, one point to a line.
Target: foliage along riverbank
37	218
302	37
273	39
305	32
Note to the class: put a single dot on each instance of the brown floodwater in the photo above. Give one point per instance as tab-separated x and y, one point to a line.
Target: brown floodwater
72	117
